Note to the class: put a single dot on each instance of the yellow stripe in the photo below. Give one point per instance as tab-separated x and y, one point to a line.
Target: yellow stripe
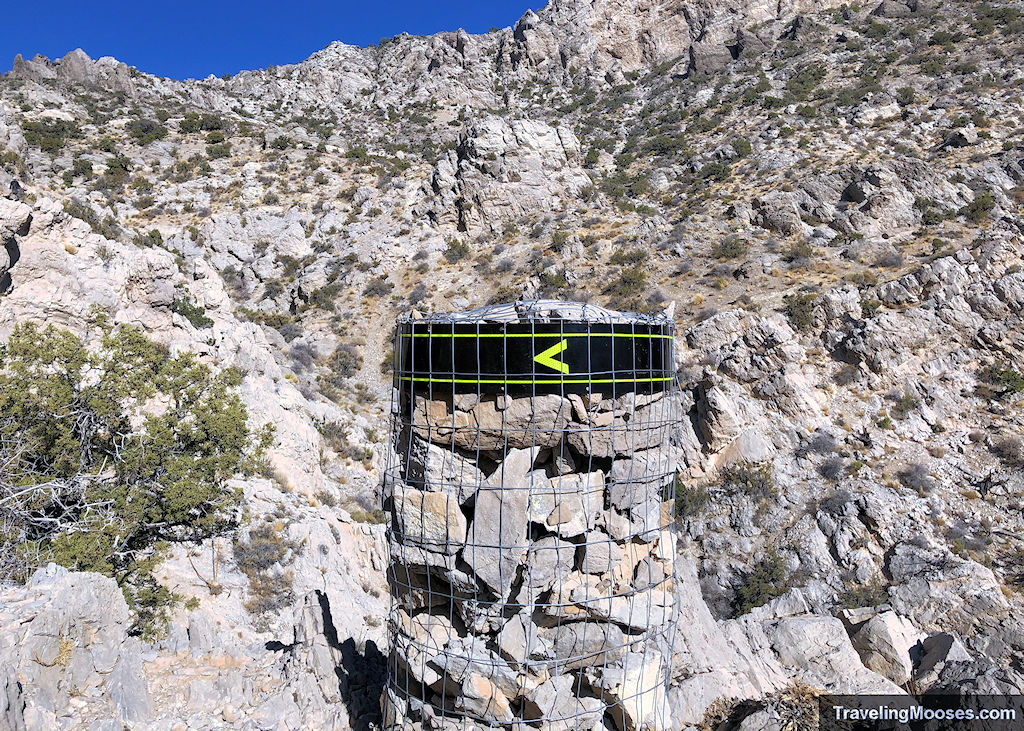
534	335
547	382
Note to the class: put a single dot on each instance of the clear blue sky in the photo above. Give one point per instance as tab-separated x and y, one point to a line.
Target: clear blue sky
193	38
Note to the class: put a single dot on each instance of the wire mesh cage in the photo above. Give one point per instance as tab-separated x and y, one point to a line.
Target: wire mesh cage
530	493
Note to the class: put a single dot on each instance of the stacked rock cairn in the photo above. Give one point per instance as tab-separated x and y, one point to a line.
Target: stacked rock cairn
531	548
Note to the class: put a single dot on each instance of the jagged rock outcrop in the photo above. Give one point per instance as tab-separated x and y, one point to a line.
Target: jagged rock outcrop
501	169
67	636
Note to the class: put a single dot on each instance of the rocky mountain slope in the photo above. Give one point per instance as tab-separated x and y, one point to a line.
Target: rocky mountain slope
828	196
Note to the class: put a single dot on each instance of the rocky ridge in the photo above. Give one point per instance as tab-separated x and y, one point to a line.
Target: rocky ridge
829	197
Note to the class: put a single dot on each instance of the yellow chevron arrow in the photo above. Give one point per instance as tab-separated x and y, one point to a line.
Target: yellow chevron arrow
547	358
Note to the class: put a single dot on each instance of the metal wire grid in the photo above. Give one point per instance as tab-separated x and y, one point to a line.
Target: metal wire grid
532	575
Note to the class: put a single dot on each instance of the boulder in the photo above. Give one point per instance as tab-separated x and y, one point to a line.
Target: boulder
583	644
15	219
636	478
888	644
430	520
635	690
600	553
497	537
495	423
438	469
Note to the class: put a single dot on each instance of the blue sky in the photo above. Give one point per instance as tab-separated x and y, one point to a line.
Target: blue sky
193	38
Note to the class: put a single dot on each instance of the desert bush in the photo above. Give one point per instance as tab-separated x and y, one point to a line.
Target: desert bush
904	404
690	501
418	294
378	286
234	281
835	504
965	537
193	122
50	135
80	167
218	151
820	442
192	312
628	255
799	309
263	554
742	147
832	468
731	247
917	477
344	362
754	479
800	253
978	209
303	356
862	595
106	227
630	282
890	260
456	251
1010	451
92	479
802	83
261	548
153	237
769	580
1008	381
145	131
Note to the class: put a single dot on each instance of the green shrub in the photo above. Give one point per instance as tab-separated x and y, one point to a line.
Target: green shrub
216	152
690	501
192	312
862	595
767	581
805	81
799	309
50	135
106	227
282	142
731	247
714	171
742	147
628	255
754	479
630	282
905	404
456	251
153	237
92	479
1008	380
193	122
978	209
800	252
145	131
116	174
81	167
